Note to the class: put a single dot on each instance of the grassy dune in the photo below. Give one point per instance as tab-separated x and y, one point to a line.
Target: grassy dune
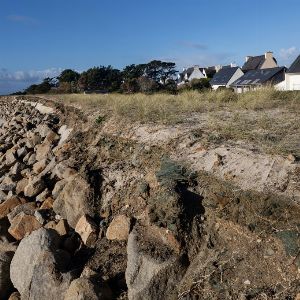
267	118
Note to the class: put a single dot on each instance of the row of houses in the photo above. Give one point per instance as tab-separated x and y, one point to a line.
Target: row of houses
256	72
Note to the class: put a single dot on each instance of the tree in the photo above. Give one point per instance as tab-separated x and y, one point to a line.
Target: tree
133	72
147	85
68	75
160	71
100	78
200	84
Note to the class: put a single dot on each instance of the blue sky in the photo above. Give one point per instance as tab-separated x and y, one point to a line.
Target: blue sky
40	38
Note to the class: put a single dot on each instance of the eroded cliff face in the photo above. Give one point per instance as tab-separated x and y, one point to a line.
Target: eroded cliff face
95	210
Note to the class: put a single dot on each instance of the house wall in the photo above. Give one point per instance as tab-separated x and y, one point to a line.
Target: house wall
269	63
292	82
197	74
238	73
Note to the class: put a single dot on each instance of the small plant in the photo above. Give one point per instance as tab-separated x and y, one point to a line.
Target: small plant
99	119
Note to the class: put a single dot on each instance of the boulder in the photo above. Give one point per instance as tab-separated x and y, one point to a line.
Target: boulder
29	257
39	166
87	229
48	203
58	188
21	186
27	208
43	150
5	283
8	205
75	199
85	289
48	280
35	186
119	228
153	268
22	225
8	184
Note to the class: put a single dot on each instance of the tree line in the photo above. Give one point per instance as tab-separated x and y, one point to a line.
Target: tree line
152	77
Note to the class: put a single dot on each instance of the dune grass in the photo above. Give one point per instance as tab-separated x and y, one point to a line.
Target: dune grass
167	108
267	118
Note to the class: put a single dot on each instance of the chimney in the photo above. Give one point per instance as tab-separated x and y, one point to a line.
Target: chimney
269	55
247	58
233	65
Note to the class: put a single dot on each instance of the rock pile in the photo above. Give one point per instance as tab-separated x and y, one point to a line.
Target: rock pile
89	216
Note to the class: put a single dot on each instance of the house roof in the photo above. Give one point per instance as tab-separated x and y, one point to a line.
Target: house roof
253	63
223	76
295	66
258	77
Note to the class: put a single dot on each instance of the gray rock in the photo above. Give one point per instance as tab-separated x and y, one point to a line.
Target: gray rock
58	188
75	199
31	257
5	283
47	281
150	277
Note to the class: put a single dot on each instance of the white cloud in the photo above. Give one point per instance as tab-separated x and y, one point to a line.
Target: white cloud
288	54
19	80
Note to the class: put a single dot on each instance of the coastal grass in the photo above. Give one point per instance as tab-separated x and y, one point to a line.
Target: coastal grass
167	108
266	117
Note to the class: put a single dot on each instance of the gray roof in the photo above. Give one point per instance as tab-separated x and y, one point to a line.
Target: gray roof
253	63
261	76
295	66
223	76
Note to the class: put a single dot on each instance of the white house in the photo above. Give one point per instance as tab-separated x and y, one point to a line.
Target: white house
292	78
225	77
189	74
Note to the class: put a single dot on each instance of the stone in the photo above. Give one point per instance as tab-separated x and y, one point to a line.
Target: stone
119	228
85	289
22	152
35	186
8	205
17	168
58	188
148	276
8	184
27	208
75	199
64	132
15	296
87	229
43	130
21	186
52	137
28	258
48	203
10	156
31	159
5	283
49	279
42	196
33	139
62	171
297	296
22	225
62	227
39	166
43	150
50	225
